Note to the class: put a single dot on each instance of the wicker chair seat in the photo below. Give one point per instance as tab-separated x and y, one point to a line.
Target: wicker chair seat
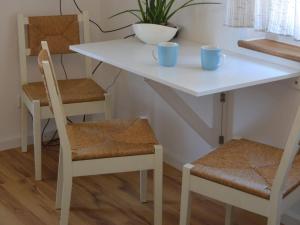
72	91
108	139
247	166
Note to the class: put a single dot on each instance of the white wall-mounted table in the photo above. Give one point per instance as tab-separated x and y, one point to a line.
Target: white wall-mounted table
239	71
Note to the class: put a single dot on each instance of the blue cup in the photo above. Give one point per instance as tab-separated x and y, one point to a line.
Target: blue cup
211	57
167	54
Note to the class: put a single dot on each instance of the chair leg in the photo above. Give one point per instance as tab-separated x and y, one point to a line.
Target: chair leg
108	107
229	215
66	199
275	216
143	185
59	182
274	221
185	207
37	140
24	127
158	185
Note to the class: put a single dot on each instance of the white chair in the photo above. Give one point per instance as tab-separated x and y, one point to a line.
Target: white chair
101	148
256	177
80	96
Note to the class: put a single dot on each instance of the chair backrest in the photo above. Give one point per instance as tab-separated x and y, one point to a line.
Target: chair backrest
290	152
55	102
59	31
45	47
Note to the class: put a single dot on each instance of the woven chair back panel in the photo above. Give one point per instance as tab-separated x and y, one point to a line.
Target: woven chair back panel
59	31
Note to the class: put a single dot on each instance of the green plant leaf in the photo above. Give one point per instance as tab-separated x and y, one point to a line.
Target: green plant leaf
158	11
167	10
152	5
137	16
148	12
142	11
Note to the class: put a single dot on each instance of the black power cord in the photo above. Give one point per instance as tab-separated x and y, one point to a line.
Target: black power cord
60	7
97	25
54	139
101	29
61	55
63	66
96	68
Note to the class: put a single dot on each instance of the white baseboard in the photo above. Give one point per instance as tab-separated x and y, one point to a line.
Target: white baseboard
10	143
289	219
292	216
172	161
15	142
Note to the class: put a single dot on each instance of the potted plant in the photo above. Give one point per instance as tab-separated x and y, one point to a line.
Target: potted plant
153	19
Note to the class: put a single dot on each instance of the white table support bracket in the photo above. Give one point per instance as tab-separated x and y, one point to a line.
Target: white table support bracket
209	134
296	83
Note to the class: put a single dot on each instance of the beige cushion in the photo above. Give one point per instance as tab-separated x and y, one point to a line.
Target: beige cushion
111	139
72	91
247	166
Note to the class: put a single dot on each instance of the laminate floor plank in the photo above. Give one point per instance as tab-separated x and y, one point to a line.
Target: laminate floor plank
96	200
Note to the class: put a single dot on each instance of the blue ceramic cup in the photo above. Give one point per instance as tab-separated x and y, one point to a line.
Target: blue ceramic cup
167	54
211	57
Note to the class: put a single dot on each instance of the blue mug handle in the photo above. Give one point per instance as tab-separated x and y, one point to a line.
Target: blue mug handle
223	58
154	55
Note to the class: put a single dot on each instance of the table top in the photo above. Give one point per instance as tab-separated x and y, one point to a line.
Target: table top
238	71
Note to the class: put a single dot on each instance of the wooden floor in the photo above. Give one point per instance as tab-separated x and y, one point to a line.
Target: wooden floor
96	200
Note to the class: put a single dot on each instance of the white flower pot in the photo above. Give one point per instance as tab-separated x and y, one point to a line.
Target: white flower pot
154	33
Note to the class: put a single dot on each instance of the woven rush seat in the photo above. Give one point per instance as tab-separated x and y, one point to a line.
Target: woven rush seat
247	166
72	91
108	139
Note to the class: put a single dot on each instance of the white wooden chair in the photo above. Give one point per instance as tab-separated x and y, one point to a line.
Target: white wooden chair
256	177
80	96
101	148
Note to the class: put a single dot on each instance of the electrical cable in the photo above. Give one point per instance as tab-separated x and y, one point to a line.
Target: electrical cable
60	7
109	31
104	31
61	55
96	67
223	100
131	35
70	121
53	138
100	28
97	25
43	131
114	81
63	66
222	119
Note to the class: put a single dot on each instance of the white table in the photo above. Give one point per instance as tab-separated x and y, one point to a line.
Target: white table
239	71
